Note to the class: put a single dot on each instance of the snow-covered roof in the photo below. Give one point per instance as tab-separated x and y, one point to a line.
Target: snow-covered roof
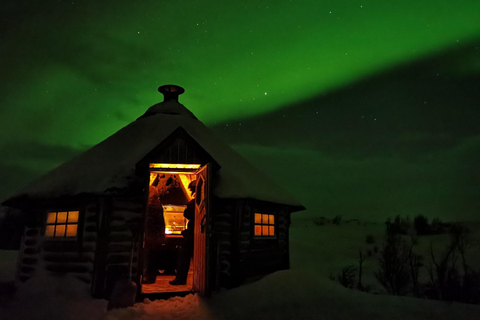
111	163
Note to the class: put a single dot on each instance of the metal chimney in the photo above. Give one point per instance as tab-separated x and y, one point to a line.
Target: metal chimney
170	92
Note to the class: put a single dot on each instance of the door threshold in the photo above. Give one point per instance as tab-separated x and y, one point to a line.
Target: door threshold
164	295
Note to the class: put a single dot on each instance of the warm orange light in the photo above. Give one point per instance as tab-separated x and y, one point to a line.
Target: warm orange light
62	217
49	231
265	230
173	166
51	218
258	230
264	224
175	222
265	218
62	224
153	175
71	230
60	230
72	216
186	179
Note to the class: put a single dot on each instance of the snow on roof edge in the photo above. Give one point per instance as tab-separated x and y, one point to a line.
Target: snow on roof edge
108	165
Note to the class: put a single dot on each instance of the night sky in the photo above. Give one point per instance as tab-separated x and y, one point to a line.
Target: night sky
364	109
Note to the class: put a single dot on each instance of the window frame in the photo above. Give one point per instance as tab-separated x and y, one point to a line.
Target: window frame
63	238
275	225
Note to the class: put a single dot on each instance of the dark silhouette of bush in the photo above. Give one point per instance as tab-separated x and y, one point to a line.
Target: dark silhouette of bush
337	220
438	227
415	262
450	276
393	271
361	259
319	221
449	279
399	225
420	223
423	227
471	287
346	277
369	239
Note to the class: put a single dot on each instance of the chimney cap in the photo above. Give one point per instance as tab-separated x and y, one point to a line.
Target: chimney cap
171	91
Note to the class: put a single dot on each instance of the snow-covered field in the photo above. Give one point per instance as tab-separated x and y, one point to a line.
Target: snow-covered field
303	292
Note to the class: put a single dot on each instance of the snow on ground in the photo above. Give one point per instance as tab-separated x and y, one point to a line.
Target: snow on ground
303	292
47	297
296	295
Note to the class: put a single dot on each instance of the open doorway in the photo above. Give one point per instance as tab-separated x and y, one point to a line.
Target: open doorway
165	227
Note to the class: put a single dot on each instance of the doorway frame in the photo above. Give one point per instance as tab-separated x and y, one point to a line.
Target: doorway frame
179	168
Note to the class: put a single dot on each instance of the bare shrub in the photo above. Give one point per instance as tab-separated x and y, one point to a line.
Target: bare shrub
393	270
337	220
420	223
438	227
346	277
370	239
361	259
415	263
451	278
423	227
319	221
399	225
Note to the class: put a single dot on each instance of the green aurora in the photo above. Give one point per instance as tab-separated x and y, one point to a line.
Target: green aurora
75	72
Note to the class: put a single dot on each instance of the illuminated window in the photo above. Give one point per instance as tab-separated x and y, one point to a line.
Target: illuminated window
62	224
264	225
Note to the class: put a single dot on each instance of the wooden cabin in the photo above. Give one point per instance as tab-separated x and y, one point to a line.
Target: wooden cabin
90	217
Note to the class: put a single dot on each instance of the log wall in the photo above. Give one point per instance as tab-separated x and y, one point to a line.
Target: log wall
236	253
119	240
222	220
261	255
29	253
67	255
74	256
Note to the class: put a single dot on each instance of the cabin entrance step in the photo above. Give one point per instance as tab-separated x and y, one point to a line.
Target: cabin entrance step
163	295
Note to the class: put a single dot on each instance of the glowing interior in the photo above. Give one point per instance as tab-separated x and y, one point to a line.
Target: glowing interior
264	225
175	222
186	179
173	166
62	224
